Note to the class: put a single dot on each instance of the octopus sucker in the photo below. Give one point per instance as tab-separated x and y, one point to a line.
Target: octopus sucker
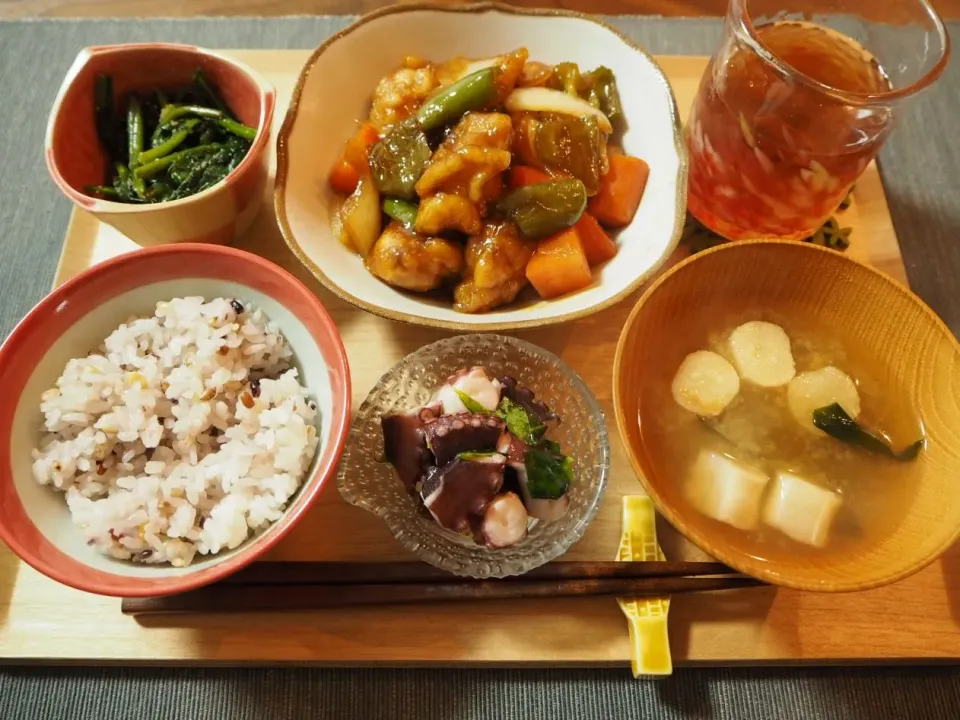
450	435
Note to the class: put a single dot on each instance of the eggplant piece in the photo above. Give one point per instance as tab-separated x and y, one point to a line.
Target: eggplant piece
404	442
462	489
451	435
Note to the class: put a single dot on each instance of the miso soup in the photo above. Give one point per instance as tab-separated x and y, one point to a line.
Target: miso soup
733	423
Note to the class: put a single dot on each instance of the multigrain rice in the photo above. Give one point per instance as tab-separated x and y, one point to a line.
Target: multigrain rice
186	432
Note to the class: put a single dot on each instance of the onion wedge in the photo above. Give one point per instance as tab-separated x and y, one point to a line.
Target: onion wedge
541	99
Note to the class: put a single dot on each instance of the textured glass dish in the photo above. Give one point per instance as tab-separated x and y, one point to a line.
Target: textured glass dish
374	486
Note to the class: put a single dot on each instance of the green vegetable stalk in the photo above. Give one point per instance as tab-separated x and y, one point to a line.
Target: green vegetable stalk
835	421
194	141
167	146
545	208
153	168
134	132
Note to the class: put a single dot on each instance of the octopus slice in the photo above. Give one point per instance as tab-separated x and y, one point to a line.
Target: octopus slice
475	384
461	490
450	435
512	447
404	442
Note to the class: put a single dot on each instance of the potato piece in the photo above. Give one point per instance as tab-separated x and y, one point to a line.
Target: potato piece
761	353
812	390
801	510
705	383
726	490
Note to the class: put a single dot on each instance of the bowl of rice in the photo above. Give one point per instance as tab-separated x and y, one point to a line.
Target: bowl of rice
170	415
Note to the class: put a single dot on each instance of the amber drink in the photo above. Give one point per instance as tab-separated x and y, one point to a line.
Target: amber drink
790	112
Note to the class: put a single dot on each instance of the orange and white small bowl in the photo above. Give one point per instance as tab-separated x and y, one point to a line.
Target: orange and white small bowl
76	159
70	322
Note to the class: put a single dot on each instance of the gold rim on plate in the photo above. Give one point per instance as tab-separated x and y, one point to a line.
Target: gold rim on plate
283	136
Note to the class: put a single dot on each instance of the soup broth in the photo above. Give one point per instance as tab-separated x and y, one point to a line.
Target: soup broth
758	429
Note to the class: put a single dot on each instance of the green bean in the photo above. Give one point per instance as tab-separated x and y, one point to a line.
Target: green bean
403	211
134	131
473	92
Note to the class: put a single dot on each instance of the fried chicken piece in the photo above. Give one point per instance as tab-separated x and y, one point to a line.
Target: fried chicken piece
400	94
475	151
406	260
445	211
496	263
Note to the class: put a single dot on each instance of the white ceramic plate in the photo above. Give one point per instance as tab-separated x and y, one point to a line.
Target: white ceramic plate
334	90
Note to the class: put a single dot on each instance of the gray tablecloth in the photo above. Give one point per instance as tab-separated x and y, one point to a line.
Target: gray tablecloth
918	164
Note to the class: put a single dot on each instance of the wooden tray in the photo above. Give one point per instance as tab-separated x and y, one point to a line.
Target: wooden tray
915	619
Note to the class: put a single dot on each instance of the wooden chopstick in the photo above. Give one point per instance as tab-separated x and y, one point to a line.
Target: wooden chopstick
247	597
340	573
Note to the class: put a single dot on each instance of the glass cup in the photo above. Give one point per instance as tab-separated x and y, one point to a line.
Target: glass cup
794	105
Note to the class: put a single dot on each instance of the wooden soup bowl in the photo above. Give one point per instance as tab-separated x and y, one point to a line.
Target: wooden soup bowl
854	303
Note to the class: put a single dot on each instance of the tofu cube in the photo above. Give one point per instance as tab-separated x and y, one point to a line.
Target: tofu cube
800	509
726	490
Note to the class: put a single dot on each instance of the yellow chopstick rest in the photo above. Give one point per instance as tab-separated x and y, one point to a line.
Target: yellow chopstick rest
646	618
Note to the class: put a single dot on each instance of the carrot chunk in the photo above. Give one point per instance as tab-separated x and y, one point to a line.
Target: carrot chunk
559	265
621	190
344	177
597	245
523	175
346	170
